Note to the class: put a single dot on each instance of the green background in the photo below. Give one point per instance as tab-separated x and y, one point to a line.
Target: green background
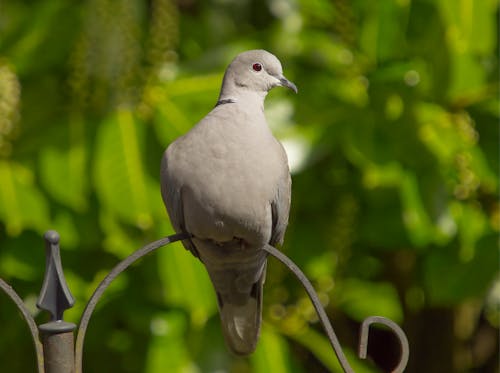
393	143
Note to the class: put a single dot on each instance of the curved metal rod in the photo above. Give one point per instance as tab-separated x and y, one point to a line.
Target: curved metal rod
119	268
328	326
403	341
334	341
29	320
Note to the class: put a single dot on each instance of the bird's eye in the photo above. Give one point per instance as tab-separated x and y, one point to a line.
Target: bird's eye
257	66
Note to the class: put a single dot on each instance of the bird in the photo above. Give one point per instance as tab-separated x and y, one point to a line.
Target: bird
227	184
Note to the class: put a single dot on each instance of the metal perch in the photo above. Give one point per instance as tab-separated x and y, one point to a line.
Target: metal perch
59	354
363	343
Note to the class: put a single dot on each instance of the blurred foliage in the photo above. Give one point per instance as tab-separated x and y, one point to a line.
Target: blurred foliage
392	140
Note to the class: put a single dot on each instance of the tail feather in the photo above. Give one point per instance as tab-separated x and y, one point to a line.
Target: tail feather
237	273
241	322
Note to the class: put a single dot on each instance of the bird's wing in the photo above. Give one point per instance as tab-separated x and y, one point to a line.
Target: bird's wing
171	192
280	207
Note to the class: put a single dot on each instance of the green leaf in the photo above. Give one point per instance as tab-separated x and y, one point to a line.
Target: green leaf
22	205
63	171
167	350
381	31
453	140
472	226
10	266
272	354
117	240
174	103
436	131
170	122
420	228
194	84
320	346
470	32
449	279
471	24
419	225
186	283
120	180
360	299
64	224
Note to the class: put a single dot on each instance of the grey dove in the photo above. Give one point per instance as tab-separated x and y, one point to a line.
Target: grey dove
227	183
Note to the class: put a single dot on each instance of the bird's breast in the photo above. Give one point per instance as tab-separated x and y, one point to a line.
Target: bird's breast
233	177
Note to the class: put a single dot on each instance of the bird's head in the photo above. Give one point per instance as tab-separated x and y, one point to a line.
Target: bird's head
257	71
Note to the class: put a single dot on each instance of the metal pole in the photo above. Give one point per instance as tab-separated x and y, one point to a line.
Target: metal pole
58	346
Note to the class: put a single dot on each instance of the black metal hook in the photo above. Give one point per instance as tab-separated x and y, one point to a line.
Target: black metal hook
401	336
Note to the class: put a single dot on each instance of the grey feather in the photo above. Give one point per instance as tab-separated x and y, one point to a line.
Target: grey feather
227	183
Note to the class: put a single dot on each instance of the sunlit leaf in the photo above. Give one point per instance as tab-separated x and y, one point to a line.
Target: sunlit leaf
194	85
64	224
360	299
11	267
320	346
415	217
392	16
472	225
167	350
272	354
22	205
63	171
173	120
453	141
469	33
470	24
120	180
170	122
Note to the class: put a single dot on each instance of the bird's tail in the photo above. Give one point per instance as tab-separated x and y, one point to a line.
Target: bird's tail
237	273
241	320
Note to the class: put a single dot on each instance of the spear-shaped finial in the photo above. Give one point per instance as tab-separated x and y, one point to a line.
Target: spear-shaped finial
55	296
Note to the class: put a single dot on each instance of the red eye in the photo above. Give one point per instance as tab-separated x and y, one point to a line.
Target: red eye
257	66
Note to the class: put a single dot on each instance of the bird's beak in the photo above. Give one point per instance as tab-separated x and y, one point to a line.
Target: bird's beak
284	82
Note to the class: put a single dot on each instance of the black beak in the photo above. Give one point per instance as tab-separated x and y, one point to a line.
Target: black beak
286	83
